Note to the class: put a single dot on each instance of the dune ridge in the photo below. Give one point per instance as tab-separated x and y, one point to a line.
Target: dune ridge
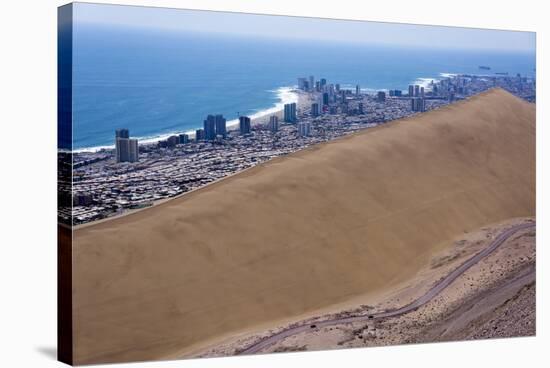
300	232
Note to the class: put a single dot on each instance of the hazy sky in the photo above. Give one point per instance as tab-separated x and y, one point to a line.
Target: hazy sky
304	28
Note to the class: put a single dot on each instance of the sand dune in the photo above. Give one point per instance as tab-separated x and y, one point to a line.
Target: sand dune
301	232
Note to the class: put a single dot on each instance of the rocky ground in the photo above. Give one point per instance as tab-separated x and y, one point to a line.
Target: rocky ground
514	318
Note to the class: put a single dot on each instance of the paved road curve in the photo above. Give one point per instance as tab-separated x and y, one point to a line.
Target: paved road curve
430	294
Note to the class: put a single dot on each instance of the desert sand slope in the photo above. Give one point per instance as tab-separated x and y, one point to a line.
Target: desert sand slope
300	232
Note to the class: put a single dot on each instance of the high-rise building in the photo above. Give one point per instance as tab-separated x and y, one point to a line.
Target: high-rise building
304	129
337	87
273	123
172	141
302	84
315	109
199	135
416	90
325	99
343	96
214	125
357	90
290	112
184	138
221	127
121	149
133	150
381	96
361	108
244	125
126	149
422	92
122	133
323	82
209	128
411	90
311	82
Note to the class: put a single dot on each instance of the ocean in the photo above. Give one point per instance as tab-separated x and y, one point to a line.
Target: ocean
156	83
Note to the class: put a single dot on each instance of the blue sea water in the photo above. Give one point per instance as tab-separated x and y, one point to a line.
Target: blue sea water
160	82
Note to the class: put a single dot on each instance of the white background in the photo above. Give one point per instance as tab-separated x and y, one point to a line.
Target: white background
28	179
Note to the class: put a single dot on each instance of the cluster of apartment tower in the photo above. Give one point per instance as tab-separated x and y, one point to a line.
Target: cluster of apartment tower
328	91
417	95
214	127
290	116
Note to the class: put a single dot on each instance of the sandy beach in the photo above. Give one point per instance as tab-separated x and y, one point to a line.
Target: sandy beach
303	104
302	235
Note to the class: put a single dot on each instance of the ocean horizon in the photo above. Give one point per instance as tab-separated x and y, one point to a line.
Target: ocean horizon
158	83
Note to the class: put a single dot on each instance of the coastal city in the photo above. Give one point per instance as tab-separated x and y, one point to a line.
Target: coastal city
135	175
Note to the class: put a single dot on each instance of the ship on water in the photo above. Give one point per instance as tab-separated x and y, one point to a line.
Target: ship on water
484	67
